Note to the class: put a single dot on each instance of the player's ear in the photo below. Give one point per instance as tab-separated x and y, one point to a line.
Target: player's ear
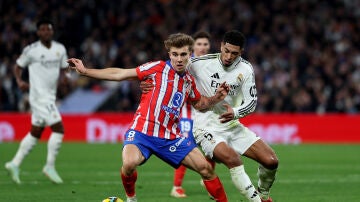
221	46
241	51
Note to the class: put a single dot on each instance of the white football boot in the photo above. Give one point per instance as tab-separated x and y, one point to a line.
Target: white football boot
51	173
14	172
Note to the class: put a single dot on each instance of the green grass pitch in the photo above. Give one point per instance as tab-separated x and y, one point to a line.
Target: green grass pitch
91	173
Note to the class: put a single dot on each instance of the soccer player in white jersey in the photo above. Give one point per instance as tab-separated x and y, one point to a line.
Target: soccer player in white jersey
218	131
154	129
201	47
46	60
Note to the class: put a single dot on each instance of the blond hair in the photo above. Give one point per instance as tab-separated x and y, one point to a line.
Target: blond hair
179	40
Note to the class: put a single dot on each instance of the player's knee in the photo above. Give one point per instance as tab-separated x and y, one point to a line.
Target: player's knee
233	161
271	163
36	131
206	171
130	163
129	166
58	127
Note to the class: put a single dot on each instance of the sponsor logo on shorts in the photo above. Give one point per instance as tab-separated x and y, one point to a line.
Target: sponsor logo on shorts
173	148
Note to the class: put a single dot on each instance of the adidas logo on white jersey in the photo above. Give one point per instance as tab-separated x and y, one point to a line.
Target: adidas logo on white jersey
215	76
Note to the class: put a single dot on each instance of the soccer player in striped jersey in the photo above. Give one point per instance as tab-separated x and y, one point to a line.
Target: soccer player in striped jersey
154	129
46	62
218	131
201	47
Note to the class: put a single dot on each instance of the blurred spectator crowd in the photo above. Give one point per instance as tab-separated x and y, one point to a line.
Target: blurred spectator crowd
306	53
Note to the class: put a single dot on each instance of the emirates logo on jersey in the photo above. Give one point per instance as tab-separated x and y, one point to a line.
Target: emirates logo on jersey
170	110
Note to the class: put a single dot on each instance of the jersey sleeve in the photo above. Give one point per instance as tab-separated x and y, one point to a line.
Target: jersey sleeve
64	58
249	98
149	68
189	67
25	58
194	94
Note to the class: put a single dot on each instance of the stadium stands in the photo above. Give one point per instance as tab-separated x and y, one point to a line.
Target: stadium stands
306	54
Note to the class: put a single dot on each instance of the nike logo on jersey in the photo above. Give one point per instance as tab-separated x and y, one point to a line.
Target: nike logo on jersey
215	76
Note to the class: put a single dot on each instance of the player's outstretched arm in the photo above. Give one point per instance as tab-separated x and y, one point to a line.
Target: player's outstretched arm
110	73
208	102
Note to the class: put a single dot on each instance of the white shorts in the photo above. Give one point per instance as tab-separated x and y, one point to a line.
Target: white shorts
45	114
239	138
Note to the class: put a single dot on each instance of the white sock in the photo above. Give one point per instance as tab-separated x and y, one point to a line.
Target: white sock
266	180
26	145
243	183
53	147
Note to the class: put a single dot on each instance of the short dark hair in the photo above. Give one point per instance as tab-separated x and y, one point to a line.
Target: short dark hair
234	37
44	21
179	40
201	34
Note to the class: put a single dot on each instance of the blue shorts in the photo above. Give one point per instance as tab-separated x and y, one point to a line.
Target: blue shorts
172	152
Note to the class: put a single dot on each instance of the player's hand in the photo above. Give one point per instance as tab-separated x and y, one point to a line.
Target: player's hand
24	86
77	65
146	86
222	91
228	115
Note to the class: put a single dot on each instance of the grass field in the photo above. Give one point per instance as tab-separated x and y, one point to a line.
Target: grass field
91	173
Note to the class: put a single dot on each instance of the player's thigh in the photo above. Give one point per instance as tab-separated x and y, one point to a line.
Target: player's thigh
195	160
132	156
57	127
263	154
208	141
227	155
136	148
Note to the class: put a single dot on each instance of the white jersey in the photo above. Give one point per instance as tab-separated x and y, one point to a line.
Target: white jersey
44	69
209	73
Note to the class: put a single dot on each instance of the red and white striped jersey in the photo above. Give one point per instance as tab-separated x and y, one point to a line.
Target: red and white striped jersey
159	110
187	111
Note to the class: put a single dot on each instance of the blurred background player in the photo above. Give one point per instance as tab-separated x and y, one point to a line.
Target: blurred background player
218	131
201	47
154	128
202	43
46	62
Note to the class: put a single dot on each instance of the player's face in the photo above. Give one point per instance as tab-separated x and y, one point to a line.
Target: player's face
45	32
179	57
201	46
229	53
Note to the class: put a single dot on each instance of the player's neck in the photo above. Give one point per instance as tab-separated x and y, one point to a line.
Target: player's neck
47	44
